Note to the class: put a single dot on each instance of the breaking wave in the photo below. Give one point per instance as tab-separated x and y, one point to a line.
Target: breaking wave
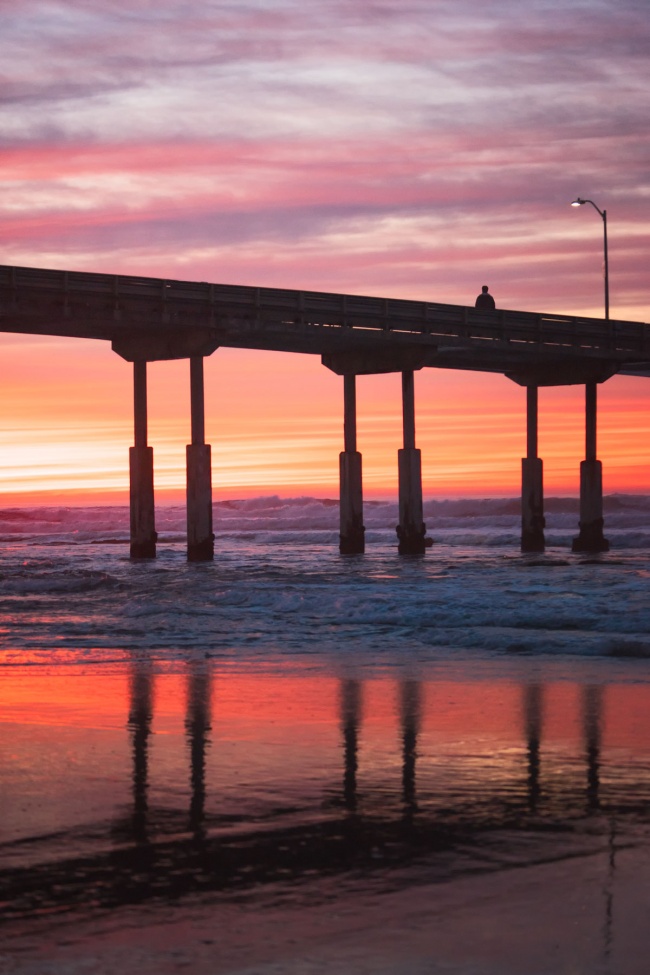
491	522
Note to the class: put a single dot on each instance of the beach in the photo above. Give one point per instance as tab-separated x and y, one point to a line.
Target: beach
289	761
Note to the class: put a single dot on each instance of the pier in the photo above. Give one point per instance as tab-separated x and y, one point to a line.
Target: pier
151	319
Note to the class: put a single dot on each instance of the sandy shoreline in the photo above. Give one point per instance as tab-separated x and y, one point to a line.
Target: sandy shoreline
252	824
575	915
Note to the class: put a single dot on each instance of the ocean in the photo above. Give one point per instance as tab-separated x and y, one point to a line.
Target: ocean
278	586
290	762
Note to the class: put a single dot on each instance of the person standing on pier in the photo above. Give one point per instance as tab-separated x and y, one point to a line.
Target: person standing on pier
485	300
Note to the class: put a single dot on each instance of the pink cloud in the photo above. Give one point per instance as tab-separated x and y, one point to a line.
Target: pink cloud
356	145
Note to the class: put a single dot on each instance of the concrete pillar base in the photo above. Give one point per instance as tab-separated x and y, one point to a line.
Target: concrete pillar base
143	520
352	535
200	539
591	538
532	505
411	531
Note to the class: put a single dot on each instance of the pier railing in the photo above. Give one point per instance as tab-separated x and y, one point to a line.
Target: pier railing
104	306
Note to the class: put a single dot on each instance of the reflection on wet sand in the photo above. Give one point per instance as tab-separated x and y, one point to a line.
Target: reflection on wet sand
410	717
592	708
390	775
139	723
350	720
533	698
197	724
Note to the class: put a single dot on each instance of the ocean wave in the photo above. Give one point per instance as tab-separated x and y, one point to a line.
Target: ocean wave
35	580
272	513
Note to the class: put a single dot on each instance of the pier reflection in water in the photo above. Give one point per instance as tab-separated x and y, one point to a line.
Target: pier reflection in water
166	785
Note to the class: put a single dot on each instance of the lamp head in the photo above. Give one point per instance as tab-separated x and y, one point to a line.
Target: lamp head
578	202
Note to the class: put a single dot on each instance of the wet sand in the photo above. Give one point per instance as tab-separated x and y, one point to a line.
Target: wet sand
542	919
247	823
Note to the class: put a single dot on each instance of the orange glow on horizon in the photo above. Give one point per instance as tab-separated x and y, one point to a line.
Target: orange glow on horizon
275	424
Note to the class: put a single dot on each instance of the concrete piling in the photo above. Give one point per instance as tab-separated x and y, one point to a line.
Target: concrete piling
200	538
591	538
411	530
141	496
532	481
352	530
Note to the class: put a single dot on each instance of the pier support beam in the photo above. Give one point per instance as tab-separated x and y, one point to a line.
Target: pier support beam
411	530
591	538
200	539
352	531
532	480
142	511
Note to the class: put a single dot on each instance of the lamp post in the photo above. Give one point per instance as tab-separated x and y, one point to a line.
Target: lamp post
591	538
578	203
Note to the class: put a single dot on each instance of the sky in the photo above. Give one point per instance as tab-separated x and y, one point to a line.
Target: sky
415	149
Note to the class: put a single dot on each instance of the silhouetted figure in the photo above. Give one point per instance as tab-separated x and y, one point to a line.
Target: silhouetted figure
485	301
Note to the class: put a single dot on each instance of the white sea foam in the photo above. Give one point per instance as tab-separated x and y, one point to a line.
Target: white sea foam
278	585
491	521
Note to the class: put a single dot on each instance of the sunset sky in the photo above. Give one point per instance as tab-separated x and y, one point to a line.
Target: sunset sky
416	149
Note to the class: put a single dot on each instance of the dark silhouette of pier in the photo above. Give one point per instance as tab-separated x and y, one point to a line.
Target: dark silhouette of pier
151	319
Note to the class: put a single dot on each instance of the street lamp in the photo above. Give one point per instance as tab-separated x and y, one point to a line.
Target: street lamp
578	203
591	538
